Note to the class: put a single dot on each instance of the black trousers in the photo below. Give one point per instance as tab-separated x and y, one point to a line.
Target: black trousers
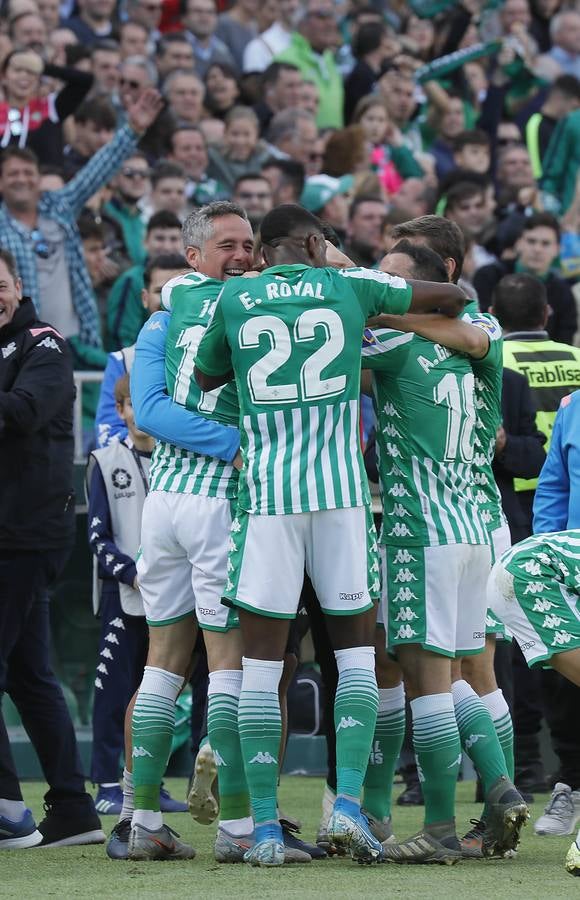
26	675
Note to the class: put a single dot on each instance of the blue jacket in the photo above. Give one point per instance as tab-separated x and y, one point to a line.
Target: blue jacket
557	500
108	423
158	415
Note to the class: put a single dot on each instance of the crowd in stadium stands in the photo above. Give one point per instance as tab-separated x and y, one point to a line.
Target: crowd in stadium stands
118	118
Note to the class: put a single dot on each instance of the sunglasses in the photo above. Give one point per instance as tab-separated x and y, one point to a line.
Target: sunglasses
134	174
127	82
254	195
41	246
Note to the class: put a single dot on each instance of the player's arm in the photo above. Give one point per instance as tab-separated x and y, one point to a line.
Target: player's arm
379	292
158	415
213	363
448	299
440	329
552	497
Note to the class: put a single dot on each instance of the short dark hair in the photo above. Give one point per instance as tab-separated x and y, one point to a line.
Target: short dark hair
519	302
542	220
464	190
122	389
441	235
97	110
248	176
9	262
427	265
90	228
163	219
136	23
271	73
108	45
284	220
475	137
75	53
292	172
363	198
22	153
167	261
174	37
568	85
369	37
166	170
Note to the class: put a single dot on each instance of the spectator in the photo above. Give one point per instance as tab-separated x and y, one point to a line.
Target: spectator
398	90
130	185
293	132
279	89
311	50
28	119
105	64
326	198
368	48
168	184
27	31
536	250
185	94
563	97
346	152
472	151
286	179
222	90
565	50
364	237
237	27
415	198
309	98
159	269
148	14
125	314
254	194
188	148
262	50
465	204
200	21
562	162
514	173
95	122
173	52
134	38
242	150
49	12
390	156
101	268
93	21
40	230
37	530
449	124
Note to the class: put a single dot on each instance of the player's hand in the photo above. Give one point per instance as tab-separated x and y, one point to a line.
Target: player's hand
142	112
336	259
237	462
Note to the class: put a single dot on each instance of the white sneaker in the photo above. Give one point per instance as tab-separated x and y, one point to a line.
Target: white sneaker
562	813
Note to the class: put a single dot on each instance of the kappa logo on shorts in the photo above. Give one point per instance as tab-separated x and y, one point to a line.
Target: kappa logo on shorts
357	596
535	587
405	595
207	612
561	638
121	479
551	621
478	635
531	567
403	556
405	632
399	529
404	575
543	606
406	614
528	646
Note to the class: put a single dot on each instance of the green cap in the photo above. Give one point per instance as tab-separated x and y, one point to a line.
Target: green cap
320	189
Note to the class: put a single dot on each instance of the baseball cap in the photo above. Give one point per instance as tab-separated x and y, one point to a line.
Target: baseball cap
320	189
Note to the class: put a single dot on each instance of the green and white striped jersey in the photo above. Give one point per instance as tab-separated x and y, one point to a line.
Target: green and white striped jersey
191	299
424	396
543	559
488	387
293	337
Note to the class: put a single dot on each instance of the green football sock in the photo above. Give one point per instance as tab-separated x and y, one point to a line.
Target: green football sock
222	725
355	716
153	723
478	735
502	722
438	751
260	728
387	743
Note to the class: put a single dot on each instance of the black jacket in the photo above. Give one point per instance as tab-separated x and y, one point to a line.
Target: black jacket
523	455
562	323
36	435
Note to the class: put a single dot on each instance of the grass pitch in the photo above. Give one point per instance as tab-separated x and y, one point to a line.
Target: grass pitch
536	874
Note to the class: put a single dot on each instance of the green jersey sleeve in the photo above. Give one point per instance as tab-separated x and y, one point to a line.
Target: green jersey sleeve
380	346
214	355
493	359
378	292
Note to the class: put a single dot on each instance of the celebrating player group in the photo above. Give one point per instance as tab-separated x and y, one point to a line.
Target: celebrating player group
262	345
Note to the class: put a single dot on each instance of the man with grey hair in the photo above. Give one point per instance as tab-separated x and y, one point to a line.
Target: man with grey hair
565	34
293	134
187	518
185	92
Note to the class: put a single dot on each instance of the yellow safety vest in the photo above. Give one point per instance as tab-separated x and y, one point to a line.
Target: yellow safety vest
533	143
552	371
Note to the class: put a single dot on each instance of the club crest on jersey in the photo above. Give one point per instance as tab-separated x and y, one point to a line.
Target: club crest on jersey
368	337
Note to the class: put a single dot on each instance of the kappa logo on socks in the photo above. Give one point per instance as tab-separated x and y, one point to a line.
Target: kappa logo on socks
264	758
141	751
348	722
